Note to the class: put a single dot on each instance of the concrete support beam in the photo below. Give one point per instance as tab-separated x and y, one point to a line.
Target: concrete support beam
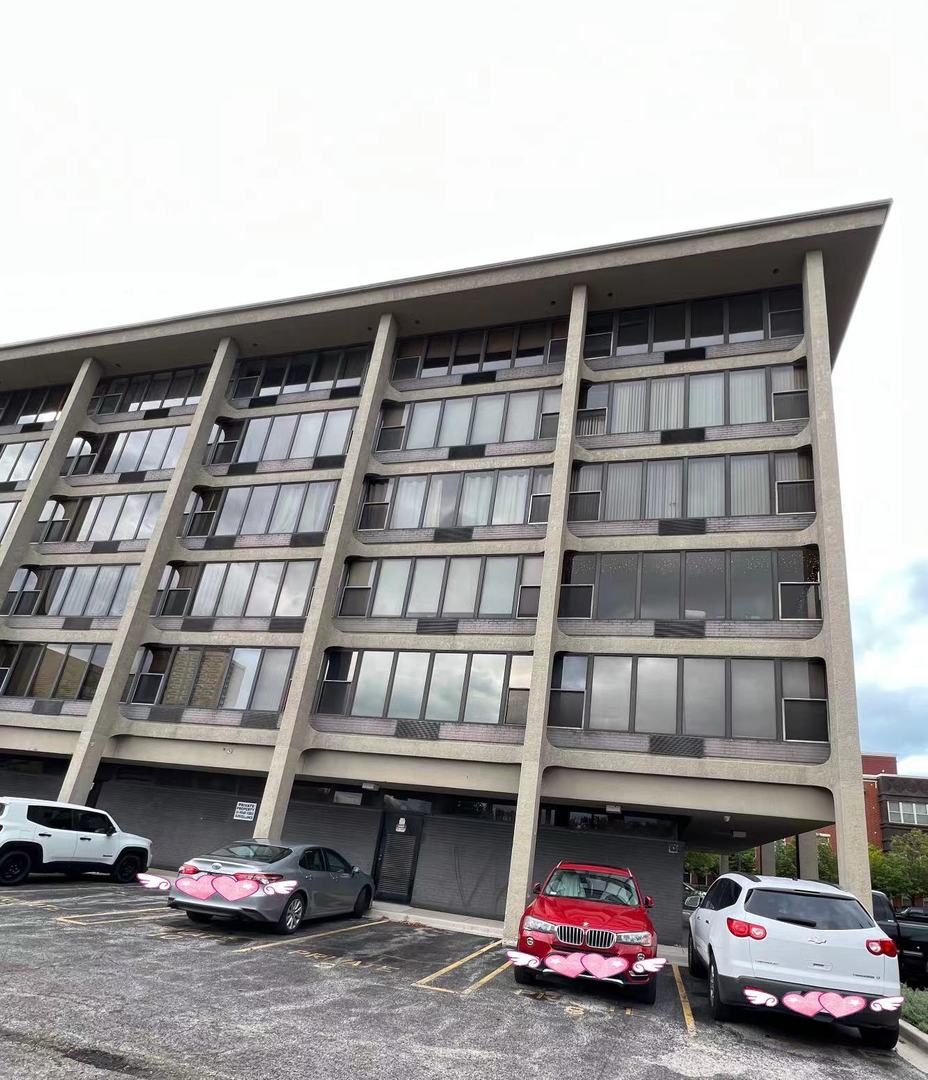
134	625
768	859
295	732
544	644
723	864
807	856
15	546
836	640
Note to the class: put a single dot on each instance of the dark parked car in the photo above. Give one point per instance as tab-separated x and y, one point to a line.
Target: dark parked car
908	927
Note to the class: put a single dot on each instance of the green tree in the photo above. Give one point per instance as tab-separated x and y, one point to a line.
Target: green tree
786	859
701	862
743	861
827	863
889	873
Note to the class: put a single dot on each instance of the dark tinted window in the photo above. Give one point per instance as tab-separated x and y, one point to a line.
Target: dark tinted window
89	821
337	864
710	900
313	859
809	909
251	851
52	817
882	909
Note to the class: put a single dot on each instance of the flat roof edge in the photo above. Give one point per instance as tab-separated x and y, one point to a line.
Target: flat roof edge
67	341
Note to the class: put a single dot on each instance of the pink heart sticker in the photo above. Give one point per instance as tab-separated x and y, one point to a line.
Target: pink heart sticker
840	1005
805	1004
231	889
603	967
199	887
569	965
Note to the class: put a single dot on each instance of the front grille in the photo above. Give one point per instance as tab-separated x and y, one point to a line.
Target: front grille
593	939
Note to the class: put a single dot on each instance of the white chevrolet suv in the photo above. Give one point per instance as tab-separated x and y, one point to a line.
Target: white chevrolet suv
54	837
801	947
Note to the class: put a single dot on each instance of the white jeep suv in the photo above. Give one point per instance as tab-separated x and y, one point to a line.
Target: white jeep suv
55	837
801	947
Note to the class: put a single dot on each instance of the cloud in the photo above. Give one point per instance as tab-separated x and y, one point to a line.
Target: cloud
893	721
915	765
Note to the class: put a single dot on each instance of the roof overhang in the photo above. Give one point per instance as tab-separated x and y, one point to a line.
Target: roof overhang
706	262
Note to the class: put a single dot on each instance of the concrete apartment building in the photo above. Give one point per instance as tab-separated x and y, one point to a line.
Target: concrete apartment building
460	574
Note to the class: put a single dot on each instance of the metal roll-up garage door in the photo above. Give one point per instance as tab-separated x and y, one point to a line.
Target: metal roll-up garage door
463	866
180	822
353	831
32	785
658	870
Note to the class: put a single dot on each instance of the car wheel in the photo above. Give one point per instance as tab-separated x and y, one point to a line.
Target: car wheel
524	976
363	902
199	917
15	867
719	1010
696	966
125	869
880	1038
292	915
647	994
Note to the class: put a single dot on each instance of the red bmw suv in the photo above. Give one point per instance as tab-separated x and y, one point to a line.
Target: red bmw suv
589	922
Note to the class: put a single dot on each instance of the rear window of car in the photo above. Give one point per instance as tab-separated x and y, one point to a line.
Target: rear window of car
260	853
814	910
3	807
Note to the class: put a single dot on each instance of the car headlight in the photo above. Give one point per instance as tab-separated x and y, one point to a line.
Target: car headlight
638	937
538	925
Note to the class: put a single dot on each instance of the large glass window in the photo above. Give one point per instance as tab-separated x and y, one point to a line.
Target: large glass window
751	585
334	371
133	451
656	700
610	692
279	438
471	351
17	460
660	585
68	672
236	589
41	405
753	699
703	697
70	591
156	390
268	508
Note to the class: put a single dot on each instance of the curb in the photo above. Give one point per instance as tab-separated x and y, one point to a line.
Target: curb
910	1034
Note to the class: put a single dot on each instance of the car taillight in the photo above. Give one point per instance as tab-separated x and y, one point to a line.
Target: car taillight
882	947
189	868
264	879
740	928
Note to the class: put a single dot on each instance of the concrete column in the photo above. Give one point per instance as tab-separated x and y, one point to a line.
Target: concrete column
14	549
295	733
134	624
768	859
837	646
807	856
723	864
545	640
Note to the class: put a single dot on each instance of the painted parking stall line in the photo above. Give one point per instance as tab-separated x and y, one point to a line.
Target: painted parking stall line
427	983
298	938
684	1001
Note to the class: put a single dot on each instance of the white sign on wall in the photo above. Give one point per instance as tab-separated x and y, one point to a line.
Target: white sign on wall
245	811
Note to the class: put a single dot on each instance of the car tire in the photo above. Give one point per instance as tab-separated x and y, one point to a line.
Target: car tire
524	976
292	915
126	867
884	1038
199	917
719	1010
15	867
647	994
696	966
363	902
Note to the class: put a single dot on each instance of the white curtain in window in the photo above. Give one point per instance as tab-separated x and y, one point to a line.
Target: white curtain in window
664	493
104	591
707	400
407	502
792	465
521	417
705	487
788	377
487	420
423	425
750	485
511	493
622	493
455	422
475	499
747	397
628	400
78	593
666	404
315	513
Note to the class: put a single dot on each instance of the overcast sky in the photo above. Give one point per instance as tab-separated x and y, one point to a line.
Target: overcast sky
161	160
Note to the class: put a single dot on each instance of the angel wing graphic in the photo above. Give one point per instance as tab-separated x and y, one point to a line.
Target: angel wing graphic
759	997
152	881
887	1004
523	959
642	967
279	888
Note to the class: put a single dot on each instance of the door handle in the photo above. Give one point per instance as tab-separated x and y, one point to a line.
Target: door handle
87	838
48	834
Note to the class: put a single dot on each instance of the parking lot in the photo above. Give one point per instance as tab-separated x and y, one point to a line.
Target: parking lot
102	980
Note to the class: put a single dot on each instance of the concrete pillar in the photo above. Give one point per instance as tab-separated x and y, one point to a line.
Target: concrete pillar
768	859
14	549
134	625
295	733
723	864
546	632
835	640
807	856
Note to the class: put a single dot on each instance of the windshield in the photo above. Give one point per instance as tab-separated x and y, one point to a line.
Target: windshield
593	885
250	852
809	909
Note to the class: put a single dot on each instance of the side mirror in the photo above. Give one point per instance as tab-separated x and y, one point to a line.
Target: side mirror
649	901
111	830
355	870
536	888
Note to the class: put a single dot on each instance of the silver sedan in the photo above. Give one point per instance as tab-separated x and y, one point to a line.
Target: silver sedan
272	882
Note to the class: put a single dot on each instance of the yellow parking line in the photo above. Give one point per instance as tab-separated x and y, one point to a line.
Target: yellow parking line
308	937
684	1001
487	978
127	918
457	964
437	989
101	914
